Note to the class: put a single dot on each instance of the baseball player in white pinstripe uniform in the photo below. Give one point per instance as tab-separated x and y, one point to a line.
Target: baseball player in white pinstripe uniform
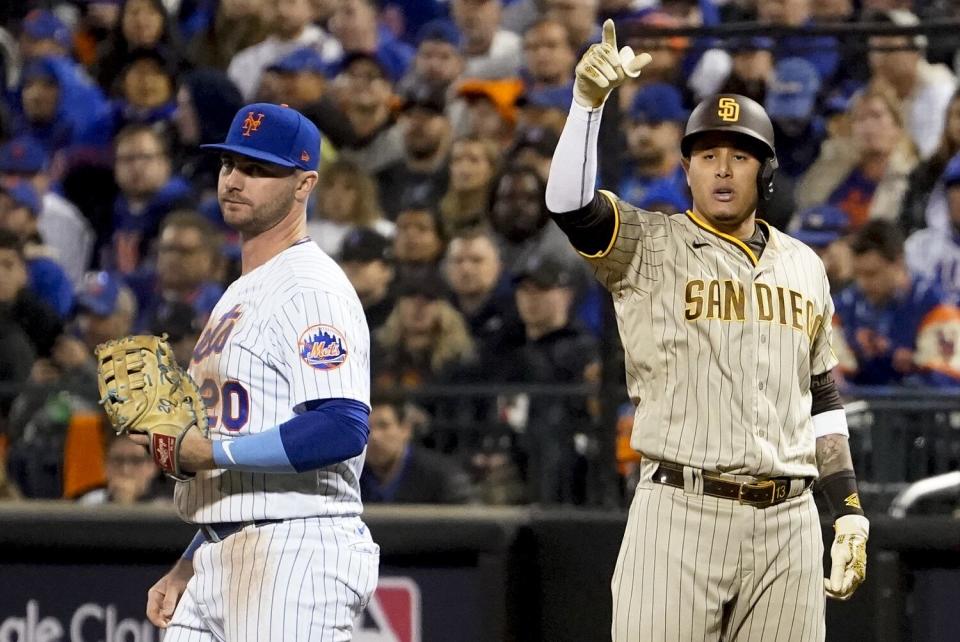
725	323
283	365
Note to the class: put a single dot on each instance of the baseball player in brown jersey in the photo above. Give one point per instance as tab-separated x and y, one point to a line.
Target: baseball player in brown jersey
725	323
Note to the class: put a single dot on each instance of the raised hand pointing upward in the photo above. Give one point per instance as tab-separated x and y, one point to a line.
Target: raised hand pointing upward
603	68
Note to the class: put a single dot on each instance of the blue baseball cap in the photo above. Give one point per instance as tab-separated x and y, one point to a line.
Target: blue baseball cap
392	68
425	96
23	194
542	140
658	102
98	293
548	98
439	30
951	173
22	155
792	93
821	225
43	25
364	245
662	193
304	59
39	68
543	270
273	133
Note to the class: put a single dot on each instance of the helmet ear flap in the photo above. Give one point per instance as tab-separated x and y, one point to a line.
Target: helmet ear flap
765	177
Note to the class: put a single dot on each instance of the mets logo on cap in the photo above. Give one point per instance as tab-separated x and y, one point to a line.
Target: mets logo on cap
251	124
728	109
322	347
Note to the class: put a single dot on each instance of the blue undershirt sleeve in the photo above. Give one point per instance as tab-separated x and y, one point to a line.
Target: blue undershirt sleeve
326	432
192	547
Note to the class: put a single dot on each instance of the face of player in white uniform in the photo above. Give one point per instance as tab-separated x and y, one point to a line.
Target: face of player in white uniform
723	182
254	196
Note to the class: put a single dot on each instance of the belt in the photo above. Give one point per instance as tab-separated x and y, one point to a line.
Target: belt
760	494
219	531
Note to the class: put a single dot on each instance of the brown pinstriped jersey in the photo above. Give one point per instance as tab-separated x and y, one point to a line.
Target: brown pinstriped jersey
719	345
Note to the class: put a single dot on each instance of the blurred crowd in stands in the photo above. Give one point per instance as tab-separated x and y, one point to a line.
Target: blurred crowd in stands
439	121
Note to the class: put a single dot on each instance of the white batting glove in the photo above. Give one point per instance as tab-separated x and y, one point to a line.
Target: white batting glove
603	68
848	556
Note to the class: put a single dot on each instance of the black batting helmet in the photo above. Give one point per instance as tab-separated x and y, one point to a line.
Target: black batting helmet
740	115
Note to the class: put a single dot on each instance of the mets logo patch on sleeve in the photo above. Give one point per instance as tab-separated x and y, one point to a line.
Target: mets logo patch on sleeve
322	347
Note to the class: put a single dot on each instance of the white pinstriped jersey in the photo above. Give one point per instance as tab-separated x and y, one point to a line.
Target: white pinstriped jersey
289	332
719	346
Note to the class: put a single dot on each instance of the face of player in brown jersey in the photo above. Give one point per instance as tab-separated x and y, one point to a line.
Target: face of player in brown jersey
722	174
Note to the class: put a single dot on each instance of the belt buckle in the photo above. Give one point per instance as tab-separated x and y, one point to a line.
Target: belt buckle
761	484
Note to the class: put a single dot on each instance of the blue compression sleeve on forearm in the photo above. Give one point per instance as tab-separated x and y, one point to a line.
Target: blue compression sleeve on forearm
329	431
192	547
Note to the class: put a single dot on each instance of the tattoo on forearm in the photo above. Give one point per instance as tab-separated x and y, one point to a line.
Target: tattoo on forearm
833	454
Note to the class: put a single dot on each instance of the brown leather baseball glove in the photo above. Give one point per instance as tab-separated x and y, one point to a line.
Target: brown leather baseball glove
143	390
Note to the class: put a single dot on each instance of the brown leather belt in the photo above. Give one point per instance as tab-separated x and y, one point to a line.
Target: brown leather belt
760	494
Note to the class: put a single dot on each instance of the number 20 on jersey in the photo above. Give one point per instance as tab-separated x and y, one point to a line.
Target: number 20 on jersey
230	400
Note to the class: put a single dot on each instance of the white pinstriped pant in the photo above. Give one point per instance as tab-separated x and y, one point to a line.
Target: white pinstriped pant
297	580
698	568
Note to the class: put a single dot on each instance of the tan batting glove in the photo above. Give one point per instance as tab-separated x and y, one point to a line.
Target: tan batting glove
603	68
848	556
